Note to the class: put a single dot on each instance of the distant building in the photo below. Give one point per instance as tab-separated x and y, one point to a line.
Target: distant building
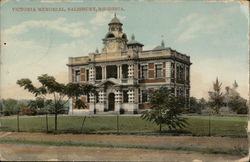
124	74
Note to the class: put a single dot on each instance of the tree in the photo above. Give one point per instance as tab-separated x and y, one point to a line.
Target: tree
1	107
235	101
165	108
50	88
10	107
216	97
195	106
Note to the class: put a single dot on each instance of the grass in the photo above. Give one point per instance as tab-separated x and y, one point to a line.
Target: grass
198	125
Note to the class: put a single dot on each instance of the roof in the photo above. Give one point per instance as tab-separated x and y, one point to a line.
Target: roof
133	41
115	20
161	47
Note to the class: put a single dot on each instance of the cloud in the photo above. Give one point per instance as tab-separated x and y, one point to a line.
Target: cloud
101	18
195	24
75	29
29	59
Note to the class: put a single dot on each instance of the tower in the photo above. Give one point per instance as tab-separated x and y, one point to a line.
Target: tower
115	40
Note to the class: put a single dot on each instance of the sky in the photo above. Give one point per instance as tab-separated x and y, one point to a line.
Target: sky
213	34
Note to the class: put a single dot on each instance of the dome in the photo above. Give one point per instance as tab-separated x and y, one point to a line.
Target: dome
115	20
161	47
133	41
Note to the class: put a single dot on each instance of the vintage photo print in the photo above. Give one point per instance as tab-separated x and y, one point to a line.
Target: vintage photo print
138	80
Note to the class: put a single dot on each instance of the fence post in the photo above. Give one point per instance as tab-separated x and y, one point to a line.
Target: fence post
47	125
18	129
209	125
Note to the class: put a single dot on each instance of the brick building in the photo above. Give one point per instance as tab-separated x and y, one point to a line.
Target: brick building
124	73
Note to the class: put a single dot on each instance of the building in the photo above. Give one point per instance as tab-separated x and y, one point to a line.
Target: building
124	73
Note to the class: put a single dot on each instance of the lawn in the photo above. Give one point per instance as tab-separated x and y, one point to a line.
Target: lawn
198	125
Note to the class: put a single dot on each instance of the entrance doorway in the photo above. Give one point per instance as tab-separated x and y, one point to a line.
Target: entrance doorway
111	99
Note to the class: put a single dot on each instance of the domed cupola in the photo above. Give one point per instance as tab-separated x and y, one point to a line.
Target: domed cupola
115	20
115	40
115	25
133	44
161	47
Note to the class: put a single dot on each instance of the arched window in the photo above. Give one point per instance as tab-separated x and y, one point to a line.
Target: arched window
124	36
110	35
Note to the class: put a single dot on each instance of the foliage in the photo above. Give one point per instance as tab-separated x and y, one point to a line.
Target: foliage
58	91
234	101
196	105
10	107
165	109
1	106
216	97
238	105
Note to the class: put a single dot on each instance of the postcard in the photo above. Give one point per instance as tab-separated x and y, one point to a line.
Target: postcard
124	80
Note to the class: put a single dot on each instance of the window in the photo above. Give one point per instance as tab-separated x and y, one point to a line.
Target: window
98	73
172	72
111	71
182	76
124	71
125	96
187	74
88	98
144	96
158	69
144	71
78	75
87	75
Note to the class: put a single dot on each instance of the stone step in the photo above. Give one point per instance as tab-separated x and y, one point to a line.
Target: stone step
107	113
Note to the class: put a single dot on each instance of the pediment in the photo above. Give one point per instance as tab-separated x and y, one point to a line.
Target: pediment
107	83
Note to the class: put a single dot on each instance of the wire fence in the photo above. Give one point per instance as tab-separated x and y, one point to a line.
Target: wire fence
198	125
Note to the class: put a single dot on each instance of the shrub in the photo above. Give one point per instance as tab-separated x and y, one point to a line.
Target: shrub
136	111
10	107
122	111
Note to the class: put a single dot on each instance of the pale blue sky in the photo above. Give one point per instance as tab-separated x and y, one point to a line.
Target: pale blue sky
213	34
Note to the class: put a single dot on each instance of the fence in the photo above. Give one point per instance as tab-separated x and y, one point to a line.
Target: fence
124	124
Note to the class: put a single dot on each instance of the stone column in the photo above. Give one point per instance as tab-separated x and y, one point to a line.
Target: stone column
70	74
120	71
136	95
118	99
92	103
104	73
101	104
131	71
131	96
135	70
92	74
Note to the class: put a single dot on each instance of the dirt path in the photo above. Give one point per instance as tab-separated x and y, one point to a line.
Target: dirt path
133	140
162	145
26	152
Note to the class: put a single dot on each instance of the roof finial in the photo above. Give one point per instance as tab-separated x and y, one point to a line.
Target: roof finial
133	37
162	43
115	15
